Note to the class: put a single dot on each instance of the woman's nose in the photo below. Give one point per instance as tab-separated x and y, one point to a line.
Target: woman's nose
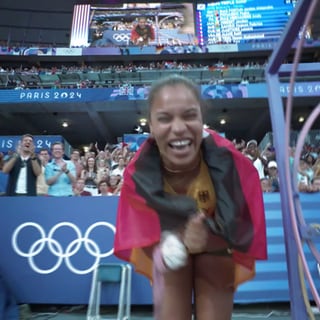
178	125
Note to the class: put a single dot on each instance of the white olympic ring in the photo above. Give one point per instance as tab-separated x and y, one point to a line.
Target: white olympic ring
121	37
56	248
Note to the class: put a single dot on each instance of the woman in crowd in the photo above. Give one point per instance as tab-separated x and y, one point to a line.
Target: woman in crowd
103	170
89	175
190	214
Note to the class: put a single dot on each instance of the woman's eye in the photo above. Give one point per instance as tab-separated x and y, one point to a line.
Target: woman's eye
191	116
164	119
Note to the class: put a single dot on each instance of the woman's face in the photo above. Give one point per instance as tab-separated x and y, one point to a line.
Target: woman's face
176	124
113	180
101	163
91	162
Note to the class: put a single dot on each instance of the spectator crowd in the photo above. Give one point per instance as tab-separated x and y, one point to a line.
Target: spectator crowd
308	173
99	172
49	173
29	77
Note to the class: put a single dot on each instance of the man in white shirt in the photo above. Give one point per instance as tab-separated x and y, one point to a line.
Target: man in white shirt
23	167
253	153
119	170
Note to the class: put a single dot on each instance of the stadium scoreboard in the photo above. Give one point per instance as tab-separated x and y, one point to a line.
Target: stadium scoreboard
240	21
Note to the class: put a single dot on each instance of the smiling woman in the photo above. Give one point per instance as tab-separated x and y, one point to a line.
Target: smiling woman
176	125
188	192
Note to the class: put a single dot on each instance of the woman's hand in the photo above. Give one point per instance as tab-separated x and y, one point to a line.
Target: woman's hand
195	236
173	251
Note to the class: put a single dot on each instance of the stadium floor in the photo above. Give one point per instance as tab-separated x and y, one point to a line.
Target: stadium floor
241	312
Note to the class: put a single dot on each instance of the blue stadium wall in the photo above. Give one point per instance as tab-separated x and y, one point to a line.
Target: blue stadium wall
49	247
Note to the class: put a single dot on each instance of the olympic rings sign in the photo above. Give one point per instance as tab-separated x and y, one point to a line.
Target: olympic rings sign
121	37
56	248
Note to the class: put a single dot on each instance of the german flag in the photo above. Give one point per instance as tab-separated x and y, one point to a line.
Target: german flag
145	209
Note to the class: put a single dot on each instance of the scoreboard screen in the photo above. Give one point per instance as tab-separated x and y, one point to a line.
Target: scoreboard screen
241	21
